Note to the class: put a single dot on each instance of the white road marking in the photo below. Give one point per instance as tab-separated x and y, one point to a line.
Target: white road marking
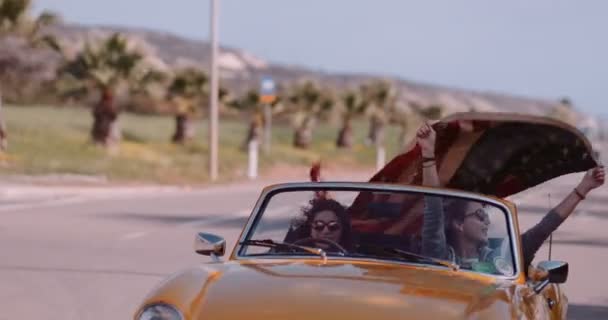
61	196
41	204
134	235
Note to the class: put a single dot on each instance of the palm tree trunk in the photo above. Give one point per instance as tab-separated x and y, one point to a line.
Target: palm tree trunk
184	130
303	134
376	131
345	136
3	138
105	130
254	132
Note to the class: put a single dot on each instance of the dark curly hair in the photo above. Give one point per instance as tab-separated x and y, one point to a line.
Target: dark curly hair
301	228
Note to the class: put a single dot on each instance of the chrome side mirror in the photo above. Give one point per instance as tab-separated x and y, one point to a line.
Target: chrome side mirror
557	272
209	245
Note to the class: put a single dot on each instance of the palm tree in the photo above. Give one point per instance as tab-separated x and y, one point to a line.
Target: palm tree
149	90
307	102
187	91
408	115
432	112
403	118
379	99
15	20
12	12
104	67
352	105
3	138
250	103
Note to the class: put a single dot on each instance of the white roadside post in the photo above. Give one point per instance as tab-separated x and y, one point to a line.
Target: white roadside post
380	156
252	170
380	151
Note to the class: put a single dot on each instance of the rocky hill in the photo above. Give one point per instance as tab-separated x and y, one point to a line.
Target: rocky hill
241	70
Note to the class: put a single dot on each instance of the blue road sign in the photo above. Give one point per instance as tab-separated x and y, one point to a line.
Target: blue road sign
267	86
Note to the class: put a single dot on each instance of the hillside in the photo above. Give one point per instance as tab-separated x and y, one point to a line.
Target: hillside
241	70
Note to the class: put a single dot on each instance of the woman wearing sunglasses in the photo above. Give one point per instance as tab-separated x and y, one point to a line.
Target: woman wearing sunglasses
326	221
462	237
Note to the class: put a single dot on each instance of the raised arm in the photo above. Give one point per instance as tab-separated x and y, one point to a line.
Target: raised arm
433	233
426	140
533	239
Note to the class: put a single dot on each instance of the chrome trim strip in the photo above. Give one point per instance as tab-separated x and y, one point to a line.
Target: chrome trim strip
367	260
367	186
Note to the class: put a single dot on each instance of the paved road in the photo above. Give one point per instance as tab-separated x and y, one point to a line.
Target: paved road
96	257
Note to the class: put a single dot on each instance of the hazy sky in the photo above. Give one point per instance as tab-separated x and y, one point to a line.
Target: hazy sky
540	48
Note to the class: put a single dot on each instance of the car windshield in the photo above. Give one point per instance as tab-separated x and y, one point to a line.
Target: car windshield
395	225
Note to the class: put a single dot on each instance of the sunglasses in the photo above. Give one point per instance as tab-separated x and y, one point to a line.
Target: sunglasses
331	226
480	214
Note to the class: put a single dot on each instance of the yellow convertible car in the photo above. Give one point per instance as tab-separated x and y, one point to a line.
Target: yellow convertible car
364	250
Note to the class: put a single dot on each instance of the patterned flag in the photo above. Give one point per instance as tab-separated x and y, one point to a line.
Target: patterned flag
495	154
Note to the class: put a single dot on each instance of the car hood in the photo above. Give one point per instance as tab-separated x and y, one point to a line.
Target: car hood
345	290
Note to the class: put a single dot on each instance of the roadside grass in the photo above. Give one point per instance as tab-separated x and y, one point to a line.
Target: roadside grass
55	140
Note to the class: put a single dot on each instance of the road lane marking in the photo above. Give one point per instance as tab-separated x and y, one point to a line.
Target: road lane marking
133	235
41	204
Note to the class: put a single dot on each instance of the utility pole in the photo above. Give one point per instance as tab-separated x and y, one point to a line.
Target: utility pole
213	94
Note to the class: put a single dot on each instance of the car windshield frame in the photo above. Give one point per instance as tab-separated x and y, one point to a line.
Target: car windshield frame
270	191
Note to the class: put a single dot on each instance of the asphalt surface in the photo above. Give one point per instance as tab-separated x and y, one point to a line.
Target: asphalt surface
95	257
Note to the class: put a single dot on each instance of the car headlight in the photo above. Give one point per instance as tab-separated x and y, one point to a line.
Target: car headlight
160	311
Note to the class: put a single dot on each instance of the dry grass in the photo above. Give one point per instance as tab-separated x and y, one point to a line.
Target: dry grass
53	140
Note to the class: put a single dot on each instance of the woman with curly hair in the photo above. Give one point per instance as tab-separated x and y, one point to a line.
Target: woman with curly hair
325	220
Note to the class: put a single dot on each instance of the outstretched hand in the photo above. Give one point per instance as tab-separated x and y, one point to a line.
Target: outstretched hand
593	179
426	140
